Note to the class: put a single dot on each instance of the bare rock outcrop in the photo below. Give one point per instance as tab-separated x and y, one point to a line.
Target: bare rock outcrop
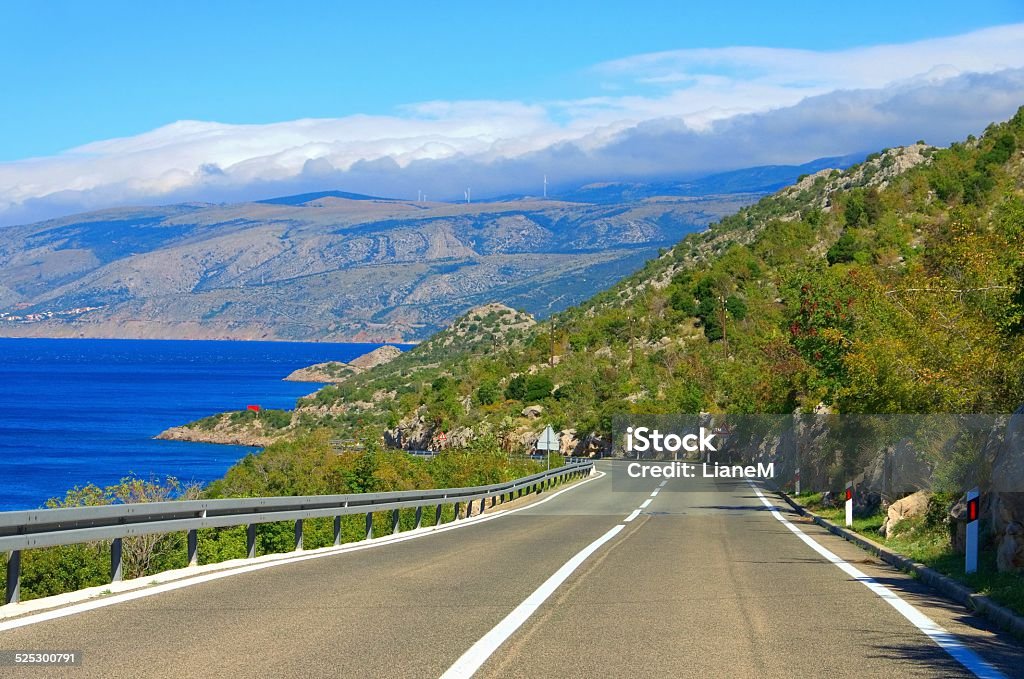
1006	496
334	372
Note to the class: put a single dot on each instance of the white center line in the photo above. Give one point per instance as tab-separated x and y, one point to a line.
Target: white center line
654	494
636	513
478	653
645	503
662	484
947	641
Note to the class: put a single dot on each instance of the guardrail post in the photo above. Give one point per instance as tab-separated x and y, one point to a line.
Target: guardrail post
369	525
116	560
193	548
13	593
395	518
437	515
483	505
250	540
419	517
298	535
337	530
456	512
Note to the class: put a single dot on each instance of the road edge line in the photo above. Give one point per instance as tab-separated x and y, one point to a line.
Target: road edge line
959	593
943	638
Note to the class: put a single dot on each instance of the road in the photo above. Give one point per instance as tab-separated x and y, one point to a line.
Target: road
704	581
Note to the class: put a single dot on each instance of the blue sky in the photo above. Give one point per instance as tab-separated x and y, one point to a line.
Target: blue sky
123	103
76	72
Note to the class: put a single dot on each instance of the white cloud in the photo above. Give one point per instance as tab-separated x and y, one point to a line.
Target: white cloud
681	112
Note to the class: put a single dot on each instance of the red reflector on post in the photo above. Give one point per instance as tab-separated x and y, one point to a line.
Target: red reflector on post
849	493
254	408
972	510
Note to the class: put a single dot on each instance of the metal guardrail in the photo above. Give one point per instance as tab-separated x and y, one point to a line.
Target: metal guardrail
33	529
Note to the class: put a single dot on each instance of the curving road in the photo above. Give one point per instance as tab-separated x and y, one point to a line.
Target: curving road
706	580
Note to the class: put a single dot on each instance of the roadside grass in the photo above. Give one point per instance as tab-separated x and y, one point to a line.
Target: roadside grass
929	543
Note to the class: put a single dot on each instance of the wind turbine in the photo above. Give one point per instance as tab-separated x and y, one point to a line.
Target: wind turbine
468	193
545	186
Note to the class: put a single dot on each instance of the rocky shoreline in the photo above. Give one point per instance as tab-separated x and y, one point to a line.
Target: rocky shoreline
227	438
225	432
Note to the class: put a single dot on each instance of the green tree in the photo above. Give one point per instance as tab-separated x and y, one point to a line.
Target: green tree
515	390
538	388
488	392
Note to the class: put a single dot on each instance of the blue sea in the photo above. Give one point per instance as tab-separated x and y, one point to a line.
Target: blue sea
78	411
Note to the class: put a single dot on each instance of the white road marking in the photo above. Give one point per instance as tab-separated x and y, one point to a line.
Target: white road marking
946	640
654	494
645	503
636	513
93	604
478	653
662	484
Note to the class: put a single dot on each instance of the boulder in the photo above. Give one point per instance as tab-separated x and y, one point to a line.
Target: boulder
533	412
865	503
915	504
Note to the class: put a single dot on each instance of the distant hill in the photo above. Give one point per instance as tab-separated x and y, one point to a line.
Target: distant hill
764	179
306	198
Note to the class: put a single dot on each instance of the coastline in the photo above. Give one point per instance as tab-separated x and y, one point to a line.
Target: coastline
226	438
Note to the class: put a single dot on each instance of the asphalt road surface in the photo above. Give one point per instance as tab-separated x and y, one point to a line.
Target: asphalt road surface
704	580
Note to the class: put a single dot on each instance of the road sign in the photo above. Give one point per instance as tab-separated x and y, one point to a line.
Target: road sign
548	440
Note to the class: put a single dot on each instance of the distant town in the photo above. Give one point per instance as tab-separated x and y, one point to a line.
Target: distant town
8	317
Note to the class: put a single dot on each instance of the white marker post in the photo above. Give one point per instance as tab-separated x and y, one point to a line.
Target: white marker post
849	505
971	546
796	481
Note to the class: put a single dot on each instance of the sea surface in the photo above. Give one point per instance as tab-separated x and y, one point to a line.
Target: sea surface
78	411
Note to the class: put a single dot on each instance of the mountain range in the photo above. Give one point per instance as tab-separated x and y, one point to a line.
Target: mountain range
337	266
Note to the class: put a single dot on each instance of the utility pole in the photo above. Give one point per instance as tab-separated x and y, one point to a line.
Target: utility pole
551	355
632	334
725	337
